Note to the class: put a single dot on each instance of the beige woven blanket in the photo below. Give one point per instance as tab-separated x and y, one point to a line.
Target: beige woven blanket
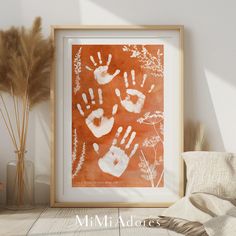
217	215
201	214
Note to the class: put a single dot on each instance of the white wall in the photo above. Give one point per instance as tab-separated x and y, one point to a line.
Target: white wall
210	62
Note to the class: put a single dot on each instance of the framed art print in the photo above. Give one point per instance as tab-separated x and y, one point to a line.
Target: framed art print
117	116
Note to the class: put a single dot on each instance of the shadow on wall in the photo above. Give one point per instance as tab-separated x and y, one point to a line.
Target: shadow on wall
198	104
209	47
140	11
42	189
39	144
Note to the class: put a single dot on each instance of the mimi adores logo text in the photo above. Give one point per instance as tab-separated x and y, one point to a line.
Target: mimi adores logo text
110	222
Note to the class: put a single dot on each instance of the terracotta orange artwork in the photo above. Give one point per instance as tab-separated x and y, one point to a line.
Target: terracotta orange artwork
117	115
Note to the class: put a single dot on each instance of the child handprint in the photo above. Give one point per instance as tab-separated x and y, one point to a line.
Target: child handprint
105	124
127	103
116	160
100	71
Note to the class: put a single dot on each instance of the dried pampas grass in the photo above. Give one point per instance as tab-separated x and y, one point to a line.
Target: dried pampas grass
25	64
194	137
9	45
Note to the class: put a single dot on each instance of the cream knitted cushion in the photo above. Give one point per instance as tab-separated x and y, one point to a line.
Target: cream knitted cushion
211	172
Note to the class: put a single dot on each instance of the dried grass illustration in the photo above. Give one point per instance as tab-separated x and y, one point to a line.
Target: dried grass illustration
154	119
75	146
80	161
149	170
152	141
151	118
146	59
77	69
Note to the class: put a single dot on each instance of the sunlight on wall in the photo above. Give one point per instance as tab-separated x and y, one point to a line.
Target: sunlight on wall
91	8
223	97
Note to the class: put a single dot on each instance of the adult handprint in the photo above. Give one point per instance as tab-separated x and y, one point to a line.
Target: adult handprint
116	160
100	71
105	124
127	103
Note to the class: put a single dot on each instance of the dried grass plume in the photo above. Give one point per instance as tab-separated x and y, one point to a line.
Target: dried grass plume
194	139
25	62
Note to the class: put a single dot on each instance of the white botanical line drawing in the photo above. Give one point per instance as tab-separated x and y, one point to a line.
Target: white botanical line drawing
127	103
116	160
146	59
75	145
162	128
100	70
149	171
105	124
80	162
81	159
152	141
153	119
77	70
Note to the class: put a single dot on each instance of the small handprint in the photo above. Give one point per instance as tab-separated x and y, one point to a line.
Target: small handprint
127	103
116	160
100	70
104	124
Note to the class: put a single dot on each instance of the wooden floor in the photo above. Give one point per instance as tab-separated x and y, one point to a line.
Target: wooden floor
56	221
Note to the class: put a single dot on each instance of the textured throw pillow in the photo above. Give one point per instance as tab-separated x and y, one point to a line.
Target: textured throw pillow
211	172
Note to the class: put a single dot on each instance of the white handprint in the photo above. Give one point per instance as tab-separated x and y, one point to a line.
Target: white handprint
105	124
116	160
100	71
127	103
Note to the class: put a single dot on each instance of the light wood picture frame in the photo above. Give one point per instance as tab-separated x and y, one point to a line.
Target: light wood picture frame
117	116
